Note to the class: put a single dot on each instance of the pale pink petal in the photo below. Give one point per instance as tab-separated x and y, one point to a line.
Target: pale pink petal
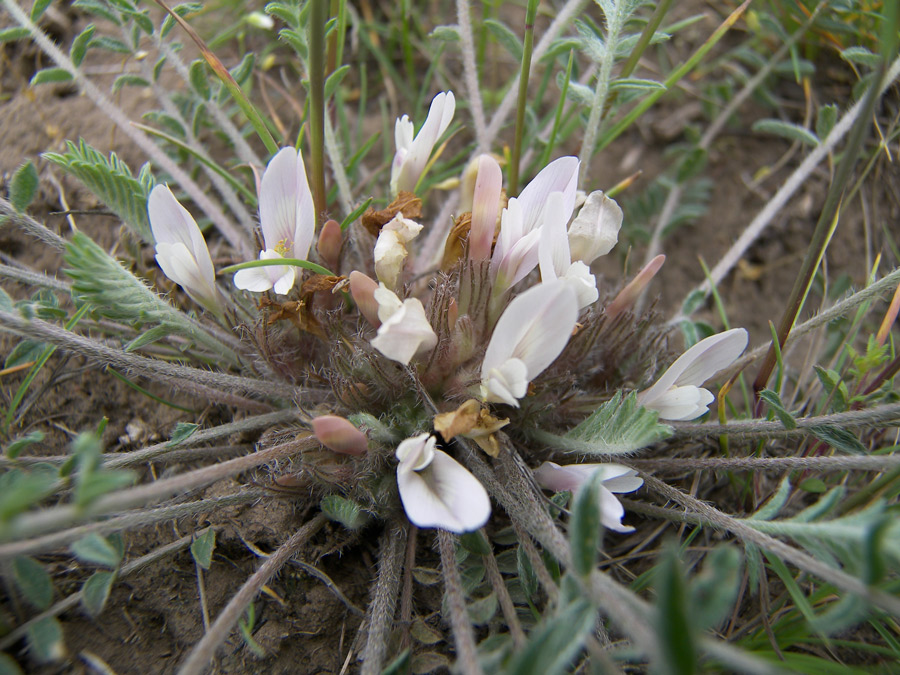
511	230
560	175
171	223
389	303
403	133
405	333
415	453
615	477
552	476
535	327
254	279
259	279
485	206
628	481
583	283
612	512
177	262
518	262
286	212
553	249
412	155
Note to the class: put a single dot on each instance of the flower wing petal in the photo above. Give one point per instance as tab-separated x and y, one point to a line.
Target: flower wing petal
612	512
171	223
682	403
560	175
444	495
534	328
553	249
286	212
699	363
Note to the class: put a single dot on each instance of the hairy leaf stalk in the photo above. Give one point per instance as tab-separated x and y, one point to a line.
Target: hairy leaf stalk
604	76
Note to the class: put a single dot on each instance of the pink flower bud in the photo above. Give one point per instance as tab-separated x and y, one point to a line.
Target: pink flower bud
485	208
635	288
329	244
362	289
339	435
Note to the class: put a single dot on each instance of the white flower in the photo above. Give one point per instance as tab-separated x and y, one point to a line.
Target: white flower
287	218
532	331
413	153
516	251
677	395
560	175
259	279
555	259
404	329
595	229
436	490
614	478
180	248
390	248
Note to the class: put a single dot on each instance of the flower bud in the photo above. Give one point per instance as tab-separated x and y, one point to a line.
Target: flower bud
329	244
362	290
339	435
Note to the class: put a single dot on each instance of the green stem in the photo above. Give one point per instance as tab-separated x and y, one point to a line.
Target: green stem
287	262
36	368
225	77
824	229
318	17
557	120
528	49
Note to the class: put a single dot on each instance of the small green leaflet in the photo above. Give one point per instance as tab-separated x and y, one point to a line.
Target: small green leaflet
182	432
95	549
792	132
349	514
49	75
619	426
773	400
95	591
23	187
45	639
34	581
203	547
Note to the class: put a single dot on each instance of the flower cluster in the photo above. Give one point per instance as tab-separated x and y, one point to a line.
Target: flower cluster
482	342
